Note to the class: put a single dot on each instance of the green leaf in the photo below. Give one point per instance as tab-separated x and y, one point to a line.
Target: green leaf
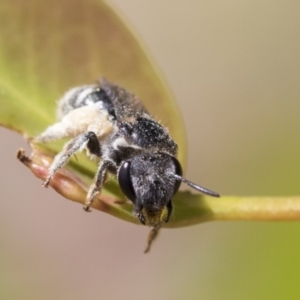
47	48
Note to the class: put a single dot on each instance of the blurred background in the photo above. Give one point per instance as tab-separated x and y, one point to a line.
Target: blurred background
234	68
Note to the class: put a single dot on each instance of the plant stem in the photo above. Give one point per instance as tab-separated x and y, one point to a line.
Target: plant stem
259	208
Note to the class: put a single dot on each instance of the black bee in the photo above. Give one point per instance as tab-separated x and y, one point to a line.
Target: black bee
113	125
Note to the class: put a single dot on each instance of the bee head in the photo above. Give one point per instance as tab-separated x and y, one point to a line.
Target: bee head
150	181
146	181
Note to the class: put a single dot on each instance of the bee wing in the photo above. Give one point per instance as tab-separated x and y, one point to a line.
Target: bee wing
127	107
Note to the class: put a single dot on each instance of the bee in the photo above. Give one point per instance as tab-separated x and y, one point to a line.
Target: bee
113	125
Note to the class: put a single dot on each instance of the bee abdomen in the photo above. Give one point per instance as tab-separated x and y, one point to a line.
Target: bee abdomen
87	95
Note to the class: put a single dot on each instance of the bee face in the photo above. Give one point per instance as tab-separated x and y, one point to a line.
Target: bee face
148	181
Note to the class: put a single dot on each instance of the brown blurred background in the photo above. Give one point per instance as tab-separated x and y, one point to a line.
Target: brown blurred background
234	68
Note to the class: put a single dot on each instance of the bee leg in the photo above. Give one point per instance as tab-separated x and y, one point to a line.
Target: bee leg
95	189
70	148
93	146
54	132
152	236
170	209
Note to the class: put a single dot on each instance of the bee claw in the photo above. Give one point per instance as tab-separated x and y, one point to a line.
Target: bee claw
46	182
87	208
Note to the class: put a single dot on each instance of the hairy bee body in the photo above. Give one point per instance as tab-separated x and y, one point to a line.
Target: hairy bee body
113	125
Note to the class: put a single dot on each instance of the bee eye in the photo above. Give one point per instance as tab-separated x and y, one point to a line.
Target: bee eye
178	171
125	182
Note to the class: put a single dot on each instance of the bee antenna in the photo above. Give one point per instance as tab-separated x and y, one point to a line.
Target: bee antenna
196	186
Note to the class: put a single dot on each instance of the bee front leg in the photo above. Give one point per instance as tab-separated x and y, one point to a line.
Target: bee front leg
95	189
70	148
152	236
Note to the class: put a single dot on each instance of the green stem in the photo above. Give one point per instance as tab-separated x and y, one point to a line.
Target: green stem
190	209
258	208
